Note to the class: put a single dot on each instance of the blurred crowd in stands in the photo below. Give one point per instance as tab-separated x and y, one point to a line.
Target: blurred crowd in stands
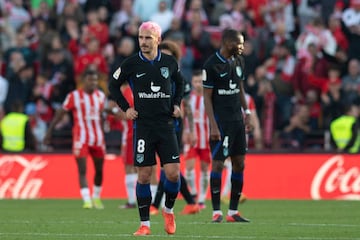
302	56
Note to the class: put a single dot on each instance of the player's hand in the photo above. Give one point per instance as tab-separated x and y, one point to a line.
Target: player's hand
215	133
189	138
177	111
131	114
248	126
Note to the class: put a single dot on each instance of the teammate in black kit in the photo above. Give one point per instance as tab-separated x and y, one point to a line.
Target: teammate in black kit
224	97
157	89
171	48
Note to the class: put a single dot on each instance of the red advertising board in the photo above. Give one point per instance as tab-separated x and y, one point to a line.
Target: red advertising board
267	176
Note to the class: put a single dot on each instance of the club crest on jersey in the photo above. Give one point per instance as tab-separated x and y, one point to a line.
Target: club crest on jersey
164	72
116	74
139	158
238	71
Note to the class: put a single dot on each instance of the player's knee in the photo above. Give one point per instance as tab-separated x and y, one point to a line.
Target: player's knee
238	164
217	166
144	175
173	176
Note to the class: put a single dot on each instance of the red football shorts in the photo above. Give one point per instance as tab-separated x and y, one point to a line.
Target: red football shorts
202	154
83	150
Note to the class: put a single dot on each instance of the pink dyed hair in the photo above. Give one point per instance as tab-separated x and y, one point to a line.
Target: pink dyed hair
151	26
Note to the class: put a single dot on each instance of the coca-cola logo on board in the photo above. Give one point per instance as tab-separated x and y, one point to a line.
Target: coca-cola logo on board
18	176
336	180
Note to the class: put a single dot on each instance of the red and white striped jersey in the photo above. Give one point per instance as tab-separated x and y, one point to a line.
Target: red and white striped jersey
86	109
201	121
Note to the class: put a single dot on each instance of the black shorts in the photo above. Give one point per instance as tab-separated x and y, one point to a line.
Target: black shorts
232	143
149	141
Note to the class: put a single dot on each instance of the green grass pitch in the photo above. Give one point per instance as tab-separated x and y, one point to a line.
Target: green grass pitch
270	219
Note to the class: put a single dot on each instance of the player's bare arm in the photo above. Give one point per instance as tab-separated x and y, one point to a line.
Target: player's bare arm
247	120
58	116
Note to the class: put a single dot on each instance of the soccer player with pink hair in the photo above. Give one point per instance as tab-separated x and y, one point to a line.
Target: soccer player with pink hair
157	88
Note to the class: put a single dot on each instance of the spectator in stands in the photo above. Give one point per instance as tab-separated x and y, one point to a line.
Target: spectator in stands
198	38
131	29
15	130
20	84
96	59
175	27
251	59
59	71
20	45
279	11
294	133
70	10
332	96
345	131
186	57
310	60
351	81
125	48
280	69
242	19
163	16
120	18
18	15
196	8
307	12
220	8
312	100
143	10
96	29
7	34
280	36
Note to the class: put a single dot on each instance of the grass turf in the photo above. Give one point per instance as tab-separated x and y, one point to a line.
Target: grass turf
280	219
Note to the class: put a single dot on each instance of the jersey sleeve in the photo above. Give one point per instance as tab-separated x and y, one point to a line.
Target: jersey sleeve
208	77
68	104
119	77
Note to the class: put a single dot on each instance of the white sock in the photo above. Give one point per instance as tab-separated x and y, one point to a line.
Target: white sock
130	183
168	210
97	191
145	223
204	182
217	212
232	212
190	178
153	189
85	194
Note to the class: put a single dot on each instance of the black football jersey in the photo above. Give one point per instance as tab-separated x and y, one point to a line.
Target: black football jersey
224	76
157	86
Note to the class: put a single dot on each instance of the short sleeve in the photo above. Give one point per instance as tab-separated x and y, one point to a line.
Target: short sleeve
208	77
68	104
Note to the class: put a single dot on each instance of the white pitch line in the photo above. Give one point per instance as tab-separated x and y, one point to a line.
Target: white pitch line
323	225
